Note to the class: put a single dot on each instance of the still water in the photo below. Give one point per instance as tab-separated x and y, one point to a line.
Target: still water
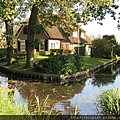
65	98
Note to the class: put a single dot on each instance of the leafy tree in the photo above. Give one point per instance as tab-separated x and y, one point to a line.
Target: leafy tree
111	38
101	48
113	42
9	10
68	13
7	15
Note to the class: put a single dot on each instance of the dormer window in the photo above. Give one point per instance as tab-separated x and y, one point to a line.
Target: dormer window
75	34
82	34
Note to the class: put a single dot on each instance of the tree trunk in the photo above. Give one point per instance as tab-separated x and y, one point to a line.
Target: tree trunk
30	37
9	31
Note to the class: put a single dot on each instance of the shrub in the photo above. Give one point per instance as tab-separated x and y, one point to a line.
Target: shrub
36	54
2	53
58	51
20	56
109	102
47	52
67	51
60	64
81	50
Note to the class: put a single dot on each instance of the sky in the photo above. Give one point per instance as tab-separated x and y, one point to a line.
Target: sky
109	27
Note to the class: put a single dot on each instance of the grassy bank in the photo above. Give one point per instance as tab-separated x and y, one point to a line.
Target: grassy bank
92	62
88	62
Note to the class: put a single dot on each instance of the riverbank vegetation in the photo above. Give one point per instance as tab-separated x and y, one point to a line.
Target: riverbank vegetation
85	62
9	108
109	102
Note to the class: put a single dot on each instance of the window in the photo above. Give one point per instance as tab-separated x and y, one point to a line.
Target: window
25	30
52	45
22	44
82	35
67	46
42	47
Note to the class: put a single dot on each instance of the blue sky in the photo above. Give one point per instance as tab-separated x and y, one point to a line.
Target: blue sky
109	27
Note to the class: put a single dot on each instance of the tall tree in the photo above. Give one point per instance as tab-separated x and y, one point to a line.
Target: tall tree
67	14
111	38
101	48
30	37
8	13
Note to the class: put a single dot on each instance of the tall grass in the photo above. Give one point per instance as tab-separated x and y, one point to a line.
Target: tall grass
109	102
11	111
8	107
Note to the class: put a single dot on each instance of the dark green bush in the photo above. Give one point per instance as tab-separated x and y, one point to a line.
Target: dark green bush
81	50
60	64
58	51
2	53
20	56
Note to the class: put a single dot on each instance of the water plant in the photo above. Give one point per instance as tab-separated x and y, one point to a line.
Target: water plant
12	111
109	102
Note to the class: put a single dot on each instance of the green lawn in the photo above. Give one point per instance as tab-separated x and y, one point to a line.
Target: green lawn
20	65
88	61
92	62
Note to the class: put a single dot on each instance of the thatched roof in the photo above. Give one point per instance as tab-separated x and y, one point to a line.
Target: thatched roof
54	32
75	40
50	32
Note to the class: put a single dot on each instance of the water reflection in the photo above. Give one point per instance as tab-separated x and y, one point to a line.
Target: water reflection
65	98
57	93
106	76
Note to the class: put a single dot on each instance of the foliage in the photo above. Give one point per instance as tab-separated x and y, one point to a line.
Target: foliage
36	54
58	51
67	14
101	48
117	49
67	51
8	13
106	47
2	53
113	42
81	50
7	107
111	39
109	102
19	56
47	52
60	64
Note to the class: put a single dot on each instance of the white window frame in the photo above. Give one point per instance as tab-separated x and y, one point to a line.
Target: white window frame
22	45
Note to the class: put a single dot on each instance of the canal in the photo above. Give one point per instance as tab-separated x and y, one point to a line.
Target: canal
64	98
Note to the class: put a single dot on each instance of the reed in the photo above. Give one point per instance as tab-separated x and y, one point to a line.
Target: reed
109	102
11	111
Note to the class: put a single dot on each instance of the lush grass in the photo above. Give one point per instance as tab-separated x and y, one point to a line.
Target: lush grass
92	62
88	61
109	102
21	63
40	57
7	107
